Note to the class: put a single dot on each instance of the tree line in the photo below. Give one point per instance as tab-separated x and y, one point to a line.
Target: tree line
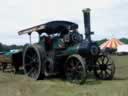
4	47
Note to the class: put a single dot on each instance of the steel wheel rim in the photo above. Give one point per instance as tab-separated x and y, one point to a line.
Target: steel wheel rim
32	63
105	68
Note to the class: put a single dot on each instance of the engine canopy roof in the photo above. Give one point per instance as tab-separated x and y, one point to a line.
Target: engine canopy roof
51	28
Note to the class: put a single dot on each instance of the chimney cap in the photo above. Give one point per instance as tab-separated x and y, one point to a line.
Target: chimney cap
86	10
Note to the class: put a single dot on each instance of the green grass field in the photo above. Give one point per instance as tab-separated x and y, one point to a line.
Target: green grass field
20	85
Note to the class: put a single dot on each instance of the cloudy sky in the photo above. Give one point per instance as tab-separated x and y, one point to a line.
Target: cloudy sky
108	17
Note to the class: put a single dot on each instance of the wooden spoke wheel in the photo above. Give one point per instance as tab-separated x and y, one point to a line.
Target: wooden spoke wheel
32	61
105	68
75	70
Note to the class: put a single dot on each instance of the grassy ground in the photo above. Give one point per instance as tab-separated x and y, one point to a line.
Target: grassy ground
20	85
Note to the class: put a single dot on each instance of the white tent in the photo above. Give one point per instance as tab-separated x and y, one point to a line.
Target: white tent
122	48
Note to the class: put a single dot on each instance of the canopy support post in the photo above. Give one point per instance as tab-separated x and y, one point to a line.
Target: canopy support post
30	38
39	35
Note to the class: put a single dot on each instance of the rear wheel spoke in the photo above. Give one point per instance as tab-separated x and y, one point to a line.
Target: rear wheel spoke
29	57
30	71
72	63
32	61
28	64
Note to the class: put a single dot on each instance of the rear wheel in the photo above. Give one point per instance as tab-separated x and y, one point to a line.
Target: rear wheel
75	70
33	61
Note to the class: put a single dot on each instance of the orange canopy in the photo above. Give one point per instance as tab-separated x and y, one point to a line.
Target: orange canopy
112	43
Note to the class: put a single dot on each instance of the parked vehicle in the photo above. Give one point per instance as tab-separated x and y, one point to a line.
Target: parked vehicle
64	51
10	59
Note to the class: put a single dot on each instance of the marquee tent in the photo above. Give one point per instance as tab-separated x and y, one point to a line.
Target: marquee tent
122	48
112	43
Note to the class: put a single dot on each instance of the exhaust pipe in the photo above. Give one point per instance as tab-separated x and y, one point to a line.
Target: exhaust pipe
87	26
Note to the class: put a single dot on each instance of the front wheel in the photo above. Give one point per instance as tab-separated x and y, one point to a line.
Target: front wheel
75	69
105	68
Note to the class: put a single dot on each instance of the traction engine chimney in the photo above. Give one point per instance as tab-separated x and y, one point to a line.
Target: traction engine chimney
86	13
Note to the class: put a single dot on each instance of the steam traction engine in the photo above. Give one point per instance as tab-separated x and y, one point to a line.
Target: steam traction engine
62	50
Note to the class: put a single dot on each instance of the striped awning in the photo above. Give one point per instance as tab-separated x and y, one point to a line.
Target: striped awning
112	43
